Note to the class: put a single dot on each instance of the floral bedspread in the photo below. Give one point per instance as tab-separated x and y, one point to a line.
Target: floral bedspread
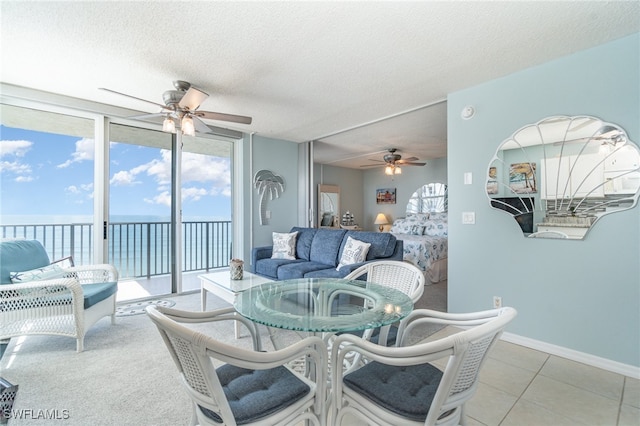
423	250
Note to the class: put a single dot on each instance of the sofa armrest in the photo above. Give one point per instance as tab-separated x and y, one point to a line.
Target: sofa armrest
258	253
89	274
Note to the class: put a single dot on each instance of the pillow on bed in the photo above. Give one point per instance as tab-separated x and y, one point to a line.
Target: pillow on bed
439	216
355	251
400	226
436	228
284	246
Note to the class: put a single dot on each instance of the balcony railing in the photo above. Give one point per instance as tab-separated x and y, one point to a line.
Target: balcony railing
136	249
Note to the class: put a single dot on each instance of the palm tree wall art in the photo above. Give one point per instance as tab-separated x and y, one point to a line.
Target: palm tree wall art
269	185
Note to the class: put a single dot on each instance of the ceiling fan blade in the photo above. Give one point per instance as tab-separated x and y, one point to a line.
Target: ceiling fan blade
409	163
368	166
410	159
147	116
200	125
224	117
133	97
377	161
192	99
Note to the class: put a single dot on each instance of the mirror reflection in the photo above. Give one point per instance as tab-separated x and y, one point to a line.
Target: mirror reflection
557	177
431	197
328	205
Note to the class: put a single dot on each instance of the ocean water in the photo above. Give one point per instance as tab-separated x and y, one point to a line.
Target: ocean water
138	245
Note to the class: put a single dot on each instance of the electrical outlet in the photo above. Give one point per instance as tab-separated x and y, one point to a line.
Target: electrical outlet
497	302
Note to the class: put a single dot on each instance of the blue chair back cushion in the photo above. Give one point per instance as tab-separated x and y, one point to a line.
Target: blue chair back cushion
382	243
20	255
326	245
253	394
303	241
404	390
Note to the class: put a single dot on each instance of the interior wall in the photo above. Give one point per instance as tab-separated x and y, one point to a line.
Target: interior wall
281	158
405	184
583	295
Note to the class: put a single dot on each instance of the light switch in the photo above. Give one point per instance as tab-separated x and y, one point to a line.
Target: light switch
468	218
468	178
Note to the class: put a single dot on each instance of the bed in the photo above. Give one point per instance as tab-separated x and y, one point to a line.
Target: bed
425	240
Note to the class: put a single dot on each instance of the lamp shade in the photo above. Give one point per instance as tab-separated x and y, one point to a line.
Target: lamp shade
187	126
168	125
381	220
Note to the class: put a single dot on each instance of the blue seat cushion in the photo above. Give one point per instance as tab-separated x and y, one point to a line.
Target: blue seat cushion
291	271
404	390
254	394
94	293
392	335
269	267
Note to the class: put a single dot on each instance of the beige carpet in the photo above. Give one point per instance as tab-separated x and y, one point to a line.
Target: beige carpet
125	376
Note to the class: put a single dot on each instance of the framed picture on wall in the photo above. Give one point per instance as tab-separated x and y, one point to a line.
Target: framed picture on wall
386	196
522	178
492	181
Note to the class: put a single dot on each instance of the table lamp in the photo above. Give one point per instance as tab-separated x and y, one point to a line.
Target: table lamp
381	220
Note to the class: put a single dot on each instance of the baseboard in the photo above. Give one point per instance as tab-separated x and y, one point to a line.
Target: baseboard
592	360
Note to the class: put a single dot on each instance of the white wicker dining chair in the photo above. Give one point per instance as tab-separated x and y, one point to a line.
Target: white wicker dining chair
402	276
401	385
250	387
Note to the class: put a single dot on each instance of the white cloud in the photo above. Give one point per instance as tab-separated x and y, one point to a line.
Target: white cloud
124	178
163	198
17	148
193	194
84	152
72	189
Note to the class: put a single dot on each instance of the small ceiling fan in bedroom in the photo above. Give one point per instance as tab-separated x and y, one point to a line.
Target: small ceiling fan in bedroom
182	105
392	162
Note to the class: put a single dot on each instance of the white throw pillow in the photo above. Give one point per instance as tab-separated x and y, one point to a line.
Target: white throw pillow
284	246
355	251
45	273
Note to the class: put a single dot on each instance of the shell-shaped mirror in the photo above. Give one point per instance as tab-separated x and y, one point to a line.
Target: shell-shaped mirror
557	177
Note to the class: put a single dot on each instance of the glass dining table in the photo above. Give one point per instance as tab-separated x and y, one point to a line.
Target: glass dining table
323	305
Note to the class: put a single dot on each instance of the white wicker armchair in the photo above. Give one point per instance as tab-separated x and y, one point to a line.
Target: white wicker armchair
424	384
400	275
229	385
67	305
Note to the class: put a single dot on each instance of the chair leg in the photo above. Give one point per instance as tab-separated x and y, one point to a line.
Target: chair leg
80	344
113	319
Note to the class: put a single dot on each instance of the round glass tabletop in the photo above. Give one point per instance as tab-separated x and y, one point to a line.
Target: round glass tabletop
323	304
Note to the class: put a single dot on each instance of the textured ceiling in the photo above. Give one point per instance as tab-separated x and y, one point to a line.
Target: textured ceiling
342	73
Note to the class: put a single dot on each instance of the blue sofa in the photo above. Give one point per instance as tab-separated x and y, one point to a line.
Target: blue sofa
318	252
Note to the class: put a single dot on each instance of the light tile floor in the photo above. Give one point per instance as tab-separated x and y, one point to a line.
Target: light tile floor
521	386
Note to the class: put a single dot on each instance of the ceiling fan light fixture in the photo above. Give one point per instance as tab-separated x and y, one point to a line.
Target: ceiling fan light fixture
187	126
168	125
388	170
397	170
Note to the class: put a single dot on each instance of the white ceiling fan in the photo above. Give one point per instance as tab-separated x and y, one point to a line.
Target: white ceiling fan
182	105
392	162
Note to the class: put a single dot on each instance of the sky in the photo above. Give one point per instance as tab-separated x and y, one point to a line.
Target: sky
47	174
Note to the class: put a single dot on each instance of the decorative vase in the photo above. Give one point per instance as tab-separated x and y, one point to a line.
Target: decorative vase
236	266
